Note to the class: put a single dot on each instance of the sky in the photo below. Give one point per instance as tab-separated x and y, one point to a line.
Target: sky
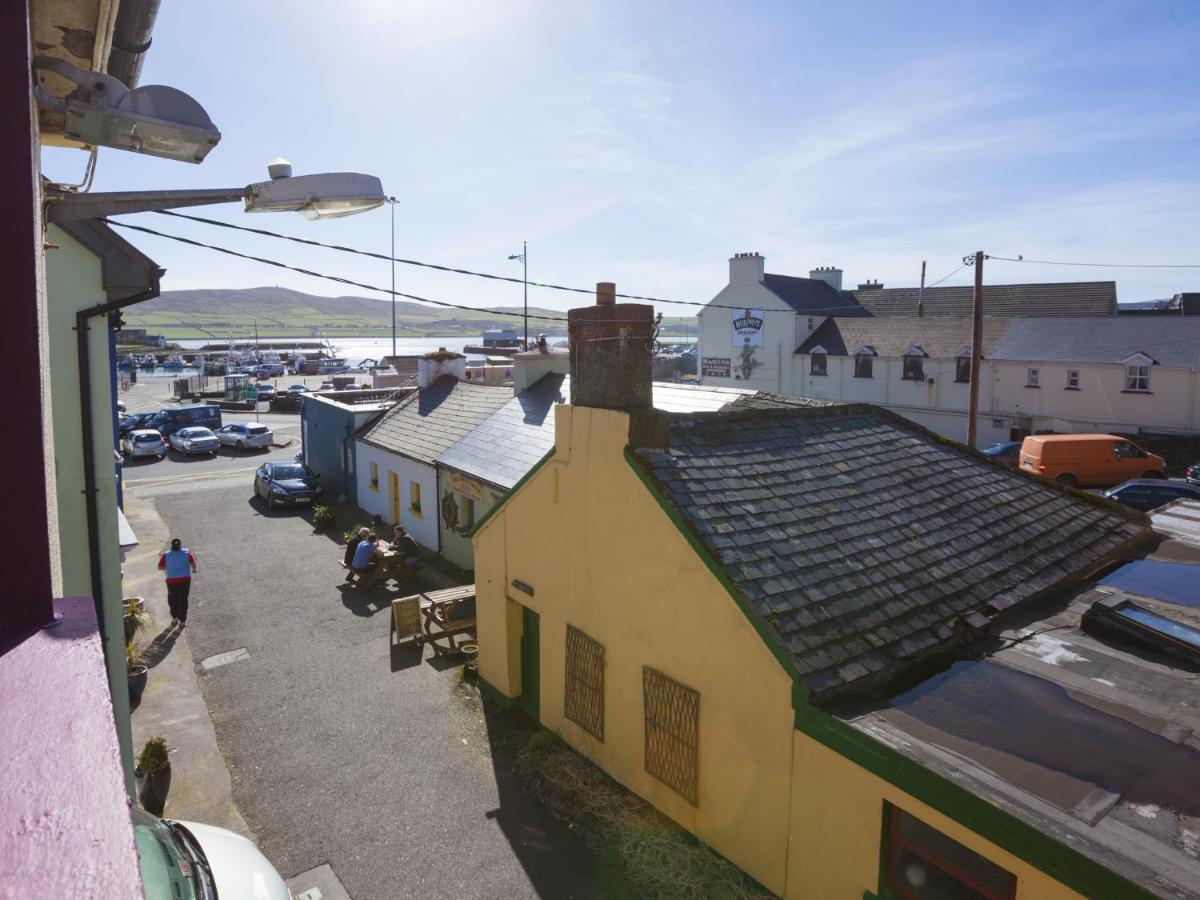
646	143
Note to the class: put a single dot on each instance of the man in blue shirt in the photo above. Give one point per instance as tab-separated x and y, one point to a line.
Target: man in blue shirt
363	564
178	563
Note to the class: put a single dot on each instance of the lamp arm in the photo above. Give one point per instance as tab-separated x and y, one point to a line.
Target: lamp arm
70	207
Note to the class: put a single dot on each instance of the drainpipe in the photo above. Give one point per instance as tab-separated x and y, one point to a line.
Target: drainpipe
131	39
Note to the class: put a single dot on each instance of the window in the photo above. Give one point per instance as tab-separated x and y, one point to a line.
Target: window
375	476
962	369
914	368
922	862
864	365
414	497
1137	377
819	363
468	516
810	324
1126	450
672	733
1032	377
583	699
1072	379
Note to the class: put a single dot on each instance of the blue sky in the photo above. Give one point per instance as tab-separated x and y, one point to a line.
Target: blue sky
645	143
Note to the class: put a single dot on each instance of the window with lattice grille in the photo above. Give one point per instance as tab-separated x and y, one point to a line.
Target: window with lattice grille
583	702
672	733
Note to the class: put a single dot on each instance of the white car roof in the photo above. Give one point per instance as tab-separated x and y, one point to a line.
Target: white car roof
142	432
195	429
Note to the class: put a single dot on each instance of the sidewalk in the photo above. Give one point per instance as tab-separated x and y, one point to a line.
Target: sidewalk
172	705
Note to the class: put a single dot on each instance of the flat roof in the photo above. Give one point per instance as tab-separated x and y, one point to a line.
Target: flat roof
1083	734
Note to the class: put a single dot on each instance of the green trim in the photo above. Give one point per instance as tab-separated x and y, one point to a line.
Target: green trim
1024	841
799	689
492	692
487	516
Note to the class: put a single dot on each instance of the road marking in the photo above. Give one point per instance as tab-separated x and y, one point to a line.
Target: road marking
224	659
171	479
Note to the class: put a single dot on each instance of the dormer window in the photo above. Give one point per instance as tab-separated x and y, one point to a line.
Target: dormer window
914	364
1137	373
962	366
864	362
819	362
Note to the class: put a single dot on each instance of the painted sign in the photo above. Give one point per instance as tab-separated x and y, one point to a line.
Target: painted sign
747	327
465	486
406	617
714	366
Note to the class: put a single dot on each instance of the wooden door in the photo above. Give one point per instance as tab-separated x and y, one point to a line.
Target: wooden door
531	682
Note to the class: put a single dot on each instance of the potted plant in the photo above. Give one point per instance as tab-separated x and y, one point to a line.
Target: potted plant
136	671
137	617
153	770
323	517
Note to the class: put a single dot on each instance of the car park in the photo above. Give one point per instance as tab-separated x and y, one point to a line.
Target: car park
189	441
168	421
287	484
1007	452
1151	493
265	392
245	436
297	389
180	859
133	421
143	442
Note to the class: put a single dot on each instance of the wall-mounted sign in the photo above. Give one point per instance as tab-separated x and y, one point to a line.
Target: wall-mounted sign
747	327
714	366
523	587
465	486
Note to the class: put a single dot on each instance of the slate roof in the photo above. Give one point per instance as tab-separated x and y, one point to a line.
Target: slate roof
1070	298
506	445
1170	341
812	295
865	542
427	422
939	338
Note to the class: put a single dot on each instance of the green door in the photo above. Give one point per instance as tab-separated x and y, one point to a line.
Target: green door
531	681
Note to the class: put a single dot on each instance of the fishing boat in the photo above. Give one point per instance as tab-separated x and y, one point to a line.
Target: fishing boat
173	362
148	362
128	362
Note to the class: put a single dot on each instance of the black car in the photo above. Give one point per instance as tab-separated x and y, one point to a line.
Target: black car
1007	452
1193	474
134	421
287	484
1151	493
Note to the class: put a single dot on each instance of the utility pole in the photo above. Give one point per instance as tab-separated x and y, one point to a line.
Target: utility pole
392	201
976	348
921	293
523	256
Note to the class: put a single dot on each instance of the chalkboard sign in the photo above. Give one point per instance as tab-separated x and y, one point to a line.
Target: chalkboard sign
406	617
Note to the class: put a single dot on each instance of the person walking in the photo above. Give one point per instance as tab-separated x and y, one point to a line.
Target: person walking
178	563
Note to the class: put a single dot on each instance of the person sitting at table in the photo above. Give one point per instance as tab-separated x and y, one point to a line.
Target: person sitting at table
407	548
363	564
351	546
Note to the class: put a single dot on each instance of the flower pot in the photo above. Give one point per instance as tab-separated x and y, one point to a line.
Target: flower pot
153	792
137	676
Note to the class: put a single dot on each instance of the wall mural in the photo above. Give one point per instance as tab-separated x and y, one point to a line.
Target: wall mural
746	362
449	511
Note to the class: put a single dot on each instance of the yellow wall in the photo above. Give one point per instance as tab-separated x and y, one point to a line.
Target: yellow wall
837	821
603	556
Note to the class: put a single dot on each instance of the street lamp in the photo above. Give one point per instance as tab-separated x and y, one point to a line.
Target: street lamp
525	280
392	202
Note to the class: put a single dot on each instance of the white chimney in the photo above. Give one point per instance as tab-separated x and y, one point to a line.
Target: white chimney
529	367
831	275
433	366
746	268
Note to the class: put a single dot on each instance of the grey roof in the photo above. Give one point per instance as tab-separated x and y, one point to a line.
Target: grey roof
812	295
1169	341
1070	298
424	424
506	445
864	542
939	338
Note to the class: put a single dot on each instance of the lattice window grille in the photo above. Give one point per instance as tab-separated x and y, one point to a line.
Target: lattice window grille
583	702
672	733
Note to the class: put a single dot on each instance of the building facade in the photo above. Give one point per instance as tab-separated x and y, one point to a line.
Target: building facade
328	423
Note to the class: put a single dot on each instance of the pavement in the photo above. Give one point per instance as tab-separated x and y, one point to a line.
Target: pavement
353	764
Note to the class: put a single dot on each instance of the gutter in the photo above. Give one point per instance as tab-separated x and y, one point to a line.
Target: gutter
131	39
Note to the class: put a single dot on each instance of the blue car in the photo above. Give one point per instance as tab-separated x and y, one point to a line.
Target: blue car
1007	452
287	484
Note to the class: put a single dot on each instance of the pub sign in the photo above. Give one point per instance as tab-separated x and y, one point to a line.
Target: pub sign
747	327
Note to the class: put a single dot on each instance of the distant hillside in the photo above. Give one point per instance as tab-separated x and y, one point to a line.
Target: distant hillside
280	312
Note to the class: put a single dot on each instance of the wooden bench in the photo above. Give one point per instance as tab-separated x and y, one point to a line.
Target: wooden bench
440	616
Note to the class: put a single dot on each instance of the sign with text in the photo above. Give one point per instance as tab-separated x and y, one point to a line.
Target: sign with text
465	486
406	617
747	327
714	367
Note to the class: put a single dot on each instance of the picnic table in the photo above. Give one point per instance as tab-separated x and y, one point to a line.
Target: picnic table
388	564
438	618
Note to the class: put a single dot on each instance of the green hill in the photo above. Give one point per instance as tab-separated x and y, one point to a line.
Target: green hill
220	313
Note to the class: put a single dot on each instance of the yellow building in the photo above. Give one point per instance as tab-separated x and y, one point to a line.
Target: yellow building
714	608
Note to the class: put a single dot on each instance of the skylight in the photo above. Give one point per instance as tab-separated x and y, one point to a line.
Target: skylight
1116	614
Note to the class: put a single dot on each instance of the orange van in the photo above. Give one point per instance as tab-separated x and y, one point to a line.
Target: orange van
1087	459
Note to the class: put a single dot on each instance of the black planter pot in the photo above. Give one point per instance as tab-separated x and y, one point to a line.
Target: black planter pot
137	681
153	788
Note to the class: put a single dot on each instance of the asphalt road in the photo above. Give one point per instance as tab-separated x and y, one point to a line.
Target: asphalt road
343	750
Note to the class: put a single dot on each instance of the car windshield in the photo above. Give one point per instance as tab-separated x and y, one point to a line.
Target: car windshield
165	865
256	429
194	432
146	439
288	472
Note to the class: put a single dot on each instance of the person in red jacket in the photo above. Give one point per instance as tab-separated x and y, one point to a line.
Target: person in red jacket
178	563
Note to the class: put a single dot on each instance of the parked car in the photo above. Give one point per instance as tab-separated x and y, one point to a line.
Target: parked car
266	392
1151	493
326	386
120	406
194	440
188	859
244	435
297	389
287	484
1193	474
168	421
1088	459
134	421
1007	452
143	442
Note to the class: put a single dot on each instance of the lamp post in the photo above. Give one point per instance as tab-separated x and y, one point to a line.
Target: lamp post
522	256
392	201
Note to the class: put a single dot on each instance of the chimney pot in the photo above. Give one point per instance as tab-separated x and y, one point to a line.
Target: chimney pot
606	293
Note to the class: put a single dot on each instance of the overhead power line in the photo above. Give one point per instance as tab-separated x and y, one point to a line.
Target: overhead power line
1094	265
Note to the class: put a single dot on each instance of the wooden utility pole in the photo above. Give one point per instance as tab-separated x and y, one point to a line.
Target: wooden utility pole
976	351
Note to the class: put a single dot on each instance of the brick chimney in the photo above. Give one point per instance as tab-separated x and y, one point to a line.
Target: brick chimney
747	268
611	350
433	366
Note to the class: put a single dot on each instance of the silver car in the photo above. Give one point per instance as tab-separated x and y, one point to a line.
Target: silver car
195	440
244	435
143	442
